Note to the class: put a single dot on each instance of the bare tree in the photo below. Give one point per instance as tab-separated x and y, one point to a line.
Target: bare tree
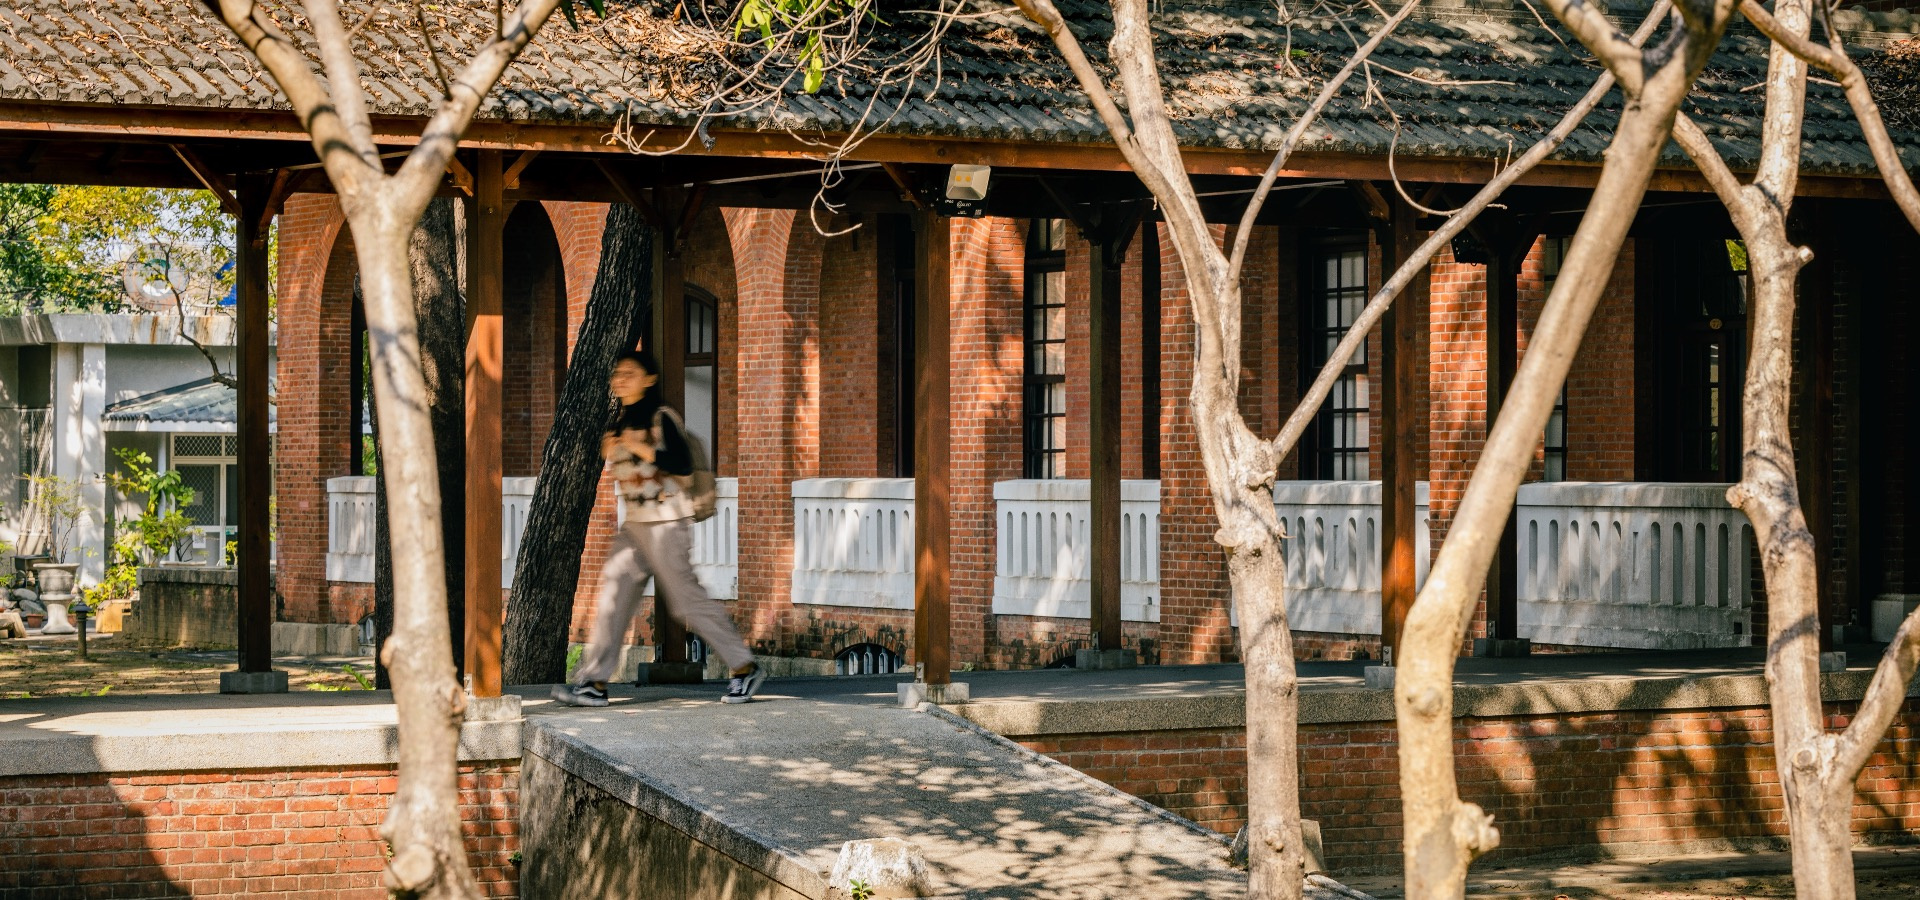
423	825
1817	769
1241	467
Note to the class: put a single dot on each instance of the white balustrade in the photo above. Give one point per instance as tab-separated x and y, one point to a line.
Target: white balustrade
716	543
1332	552
350	509
1044	549
853	542
1638	565
516	498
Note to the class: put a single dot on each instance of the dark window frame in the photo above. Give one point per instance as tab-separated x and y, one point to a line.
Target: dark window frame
1043	417
1554	456
1330	451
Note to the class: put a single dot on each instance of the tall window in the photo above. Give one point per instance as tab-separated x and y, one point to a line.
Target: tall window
1553	251
702	360
1045	433
1337	294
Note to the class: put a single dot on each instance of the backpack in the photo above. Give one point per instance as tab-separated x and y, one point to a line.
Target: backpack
698	484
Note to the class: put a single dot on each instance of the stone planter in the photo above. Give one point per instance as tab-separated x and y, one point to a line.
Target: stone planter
56	588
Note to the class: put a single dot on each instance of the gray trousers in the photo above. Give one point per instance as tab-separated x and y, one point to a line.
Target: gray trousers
662	550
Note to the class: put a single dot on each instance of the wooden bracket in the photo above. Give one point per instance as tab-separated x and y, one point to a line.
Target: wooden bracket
511	179
1102	225
462	178
632	193
904	180
689	209
276	199
1376	205
221	187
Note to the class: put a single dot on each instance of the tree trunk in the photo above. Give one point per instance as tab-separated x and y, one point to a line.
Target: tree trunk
1273	718
547	571
434	256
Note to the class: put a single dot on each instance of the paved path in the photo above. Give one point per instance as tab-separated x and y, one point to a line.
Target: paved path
816	762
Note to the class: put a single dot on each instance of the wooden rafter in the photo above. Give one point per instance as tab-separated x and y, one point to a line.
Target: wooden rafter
214	181
511	180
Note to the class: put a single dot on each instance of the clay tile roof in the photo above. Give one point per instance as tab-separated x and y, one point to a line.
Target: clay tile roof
1236	79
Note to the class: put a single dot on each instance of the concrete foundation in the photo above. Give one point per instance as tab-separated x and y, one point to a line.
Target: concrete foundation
1499	648
1121	658
914	693
237	682
1379	678
669	673
1889	610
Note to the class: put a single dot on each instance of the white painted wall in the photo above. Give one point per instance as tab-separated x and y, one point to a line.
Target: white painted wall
136	370
80	446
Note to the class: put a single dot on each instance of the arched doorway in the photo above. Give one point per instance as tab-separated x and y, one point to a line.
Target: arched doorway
534	309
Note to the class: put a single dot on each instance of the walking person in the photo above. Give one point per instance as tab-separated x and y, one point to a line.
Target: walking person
653	468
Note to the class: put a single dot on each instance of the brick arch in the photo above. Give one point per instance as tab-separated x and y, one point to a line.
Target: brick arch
536	345
777	261
709	265
314	439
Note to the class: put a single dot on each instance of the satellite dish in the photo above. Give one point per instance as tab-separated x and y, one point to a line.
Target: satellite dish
151	277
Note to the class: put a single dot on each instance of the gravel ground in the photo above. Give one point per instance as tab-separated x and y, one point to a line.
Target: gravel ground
47	667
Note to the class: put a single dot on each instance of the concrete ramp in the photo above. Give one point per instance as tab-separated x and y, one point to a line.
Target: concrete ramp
670	793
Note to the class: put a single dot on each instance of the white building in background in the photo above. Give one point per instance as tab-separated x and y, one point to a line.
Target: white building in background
76	387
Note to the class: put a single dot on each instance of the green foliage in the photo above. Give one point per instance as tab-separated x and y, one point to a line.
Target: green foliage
53	509
364	684
860	889
599	8
161	527
573	659
799	17
369	456
63	248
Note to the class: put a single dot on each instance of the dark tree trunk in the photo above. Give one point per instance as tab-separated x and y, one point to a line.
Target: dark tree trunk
547	573
434	258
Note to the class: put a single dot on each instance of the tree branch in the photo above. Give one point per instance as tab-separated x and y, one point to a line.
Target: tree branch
343	77
291	70
1243	234
1710	163
1834	59
420	175
1620	54
1376	307
1886	693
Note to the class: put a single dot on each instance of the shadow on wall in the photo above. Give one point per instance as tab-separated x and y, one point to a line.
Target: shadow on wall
68	835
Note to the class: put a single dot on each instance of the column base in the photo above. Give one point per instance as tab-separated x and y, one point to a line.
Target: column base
1502	648
1379	678
914	693
669	673
1122	658
238	682
1833	661
504	708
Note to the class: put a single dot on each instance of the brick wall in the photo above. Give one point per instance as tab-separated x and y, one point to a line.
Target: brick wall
850	335
314	441
535	340
1629	781
987	302
311	833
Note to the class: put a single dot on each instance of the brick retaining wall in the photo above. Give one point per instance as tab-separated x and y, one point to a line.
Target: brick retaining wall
197	608
1624	782
308	833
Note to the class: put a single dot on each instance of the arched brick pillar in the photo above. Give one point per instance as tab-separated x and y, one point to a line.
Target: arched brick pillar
777	261
314	438
536	337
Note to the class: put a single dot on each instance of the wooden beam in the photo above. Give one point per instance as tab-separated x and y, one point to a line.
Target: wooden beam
256	612
228	124
904	181
277	195
669	347
485	348
932	437
511	178
1402	418
213	181
632	193
1104	431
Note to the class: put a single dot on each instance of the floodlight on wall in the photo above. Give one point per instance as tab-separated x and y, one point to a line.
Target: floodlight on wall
966	182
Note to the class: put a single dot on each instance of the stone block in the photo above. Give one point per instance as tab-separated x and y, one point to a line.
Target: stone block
307	639
505	708
237	682
1833	661
889	867
1380	678
1499	648
914	693
1121	658
1889	610
668	673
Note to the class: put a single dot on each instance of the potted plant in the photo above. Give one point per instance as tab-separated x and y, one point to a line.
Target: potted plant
53	510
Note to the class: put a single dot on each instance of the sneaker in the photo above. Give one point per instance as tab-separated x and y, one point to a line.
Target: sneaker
743	687
580	695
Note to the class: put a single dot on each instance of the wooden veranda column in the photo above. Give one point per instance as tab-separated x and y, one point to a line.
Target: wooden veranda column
669	346
1106	252
932	448
487	216
1817	409
1402	415
256	473
1506	250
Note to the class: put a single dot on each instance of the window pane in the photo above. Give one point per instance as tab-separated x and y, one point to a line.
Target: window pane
1056	315
1056	361
1056	234
204	508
